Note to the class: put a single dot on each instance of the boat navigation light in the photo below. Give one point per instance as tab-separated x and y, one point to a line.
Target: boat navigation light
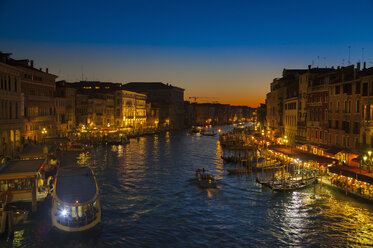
64	212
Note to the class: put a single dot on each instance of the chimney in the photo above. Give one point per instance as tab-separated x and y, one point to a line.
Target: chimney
40	69
365	65
358	66
46	70
309	67
31	63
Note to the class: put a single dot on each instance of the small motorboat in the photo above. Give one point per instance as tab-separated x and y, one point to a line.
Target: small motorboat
208	134
205	179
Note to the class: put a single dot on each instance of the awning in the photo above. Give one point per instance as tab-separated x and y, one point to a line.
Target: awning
333	150
351	172
357	159
303	156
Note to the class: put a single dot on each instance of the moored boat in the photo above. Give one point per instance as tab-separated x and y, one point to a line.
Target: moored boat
290	185
76	205
206	133
205	179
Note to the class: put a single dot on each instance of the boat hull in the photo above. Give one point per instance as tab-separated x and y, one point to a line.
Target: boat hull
84	228
292	186
206	185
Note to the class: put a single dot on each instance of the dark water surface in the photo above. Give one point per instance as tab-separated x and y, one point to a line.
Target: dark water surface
150	199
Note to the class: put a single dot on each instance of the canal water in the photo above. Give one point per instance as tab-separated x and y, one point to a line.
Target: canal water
150	199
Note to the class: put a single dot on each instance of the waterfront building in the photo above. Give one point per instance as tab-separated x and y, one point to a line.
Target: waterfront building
133	110
65	108
305	83
281	88
38	89
317	107
291	118
152	116
165	97
261	114
345	113
222	114
106	105
235	114
10	107
366	110
189	114
207	114
81	110
96	104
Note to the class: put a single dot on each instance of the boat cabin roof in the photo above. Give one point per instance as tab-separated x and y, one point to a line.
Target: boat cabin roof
75	183
21	168
32	150
205	175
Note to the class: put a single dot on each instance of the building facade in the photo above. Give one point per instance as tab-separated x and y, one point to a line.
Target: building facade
291	119
11	121
38	88
344	108
65	108
281	89
133	110
168	99
366	110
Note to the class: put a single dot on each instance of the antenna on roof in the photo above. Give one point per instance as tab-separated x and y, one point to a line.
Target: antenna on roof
81	67
343	62
349	55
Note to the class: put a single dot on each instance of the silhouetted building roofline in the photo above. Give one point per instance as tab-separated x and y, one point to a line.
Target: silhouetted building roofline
149	86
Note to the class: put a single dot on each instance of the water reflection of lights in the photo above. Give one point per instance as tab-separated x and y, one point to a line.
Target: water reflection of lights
156	148
360	224
219	162
120	151
83	158
18	237
114	148
296	215
302	213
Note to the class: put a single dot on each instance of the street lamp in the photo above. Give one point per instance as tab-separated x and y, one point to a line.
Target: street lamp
369	160
44	133
365	159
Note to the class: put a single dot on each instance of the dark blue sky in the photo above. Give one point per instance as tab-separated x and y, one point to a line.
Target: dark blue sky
191	42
